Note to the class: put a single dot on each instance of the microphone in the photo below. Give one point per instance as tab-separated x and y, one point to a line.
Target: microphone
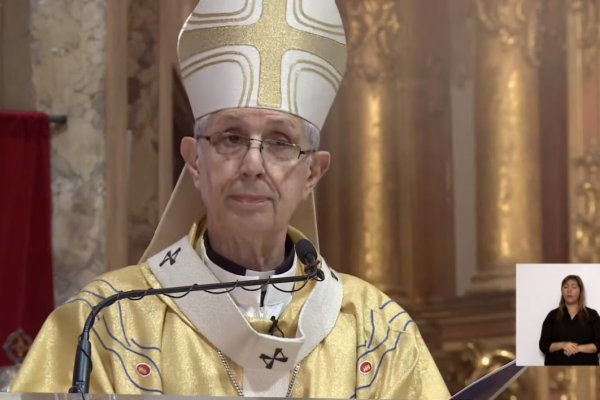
83	356
308	256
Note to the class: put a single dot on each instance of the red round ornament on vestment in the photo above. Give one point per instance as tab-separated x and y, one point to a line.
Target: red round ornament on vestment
365	367
143	369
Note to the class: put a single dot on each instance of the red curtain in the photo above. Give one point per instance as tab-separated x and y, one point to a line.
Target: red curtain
26	290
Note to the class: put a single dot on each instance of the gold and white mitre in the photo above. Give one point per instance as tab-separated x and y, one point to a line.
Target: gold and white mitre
287	55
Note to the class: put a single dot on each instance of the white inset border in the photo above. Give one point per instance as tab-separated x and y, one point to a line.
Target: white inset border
538	292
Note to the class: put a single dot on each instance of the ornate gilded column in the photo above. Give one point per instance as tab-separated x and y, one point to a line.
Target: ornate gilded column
583	167
507	128
385	208
584	131
363	192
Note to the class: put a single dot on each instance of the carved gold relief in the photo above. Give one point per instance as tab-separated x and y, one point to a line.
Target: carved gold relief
514	22
485	361
507	124
587	199
584	147
474	360
561	382
373	27
587	31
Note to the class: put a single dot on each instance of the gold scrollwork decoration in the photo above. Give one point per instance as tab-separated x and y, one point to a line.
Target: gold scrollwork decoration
514	22
485	361
560	381
583	13
372	29
587	203
474	360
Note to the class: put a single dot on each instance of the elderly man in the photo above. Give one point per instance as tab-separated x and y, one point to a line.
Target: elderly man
261	76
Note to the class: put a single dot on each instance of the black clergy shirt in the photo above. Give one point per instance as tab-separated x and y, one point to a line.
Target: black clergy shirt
573	330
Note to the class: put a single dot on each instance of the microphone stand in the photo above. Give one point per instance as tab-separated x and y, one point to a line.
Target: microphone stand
83	356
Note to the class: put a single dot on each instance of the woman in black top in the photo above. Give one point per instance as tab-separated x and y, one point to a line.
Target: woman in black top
571	332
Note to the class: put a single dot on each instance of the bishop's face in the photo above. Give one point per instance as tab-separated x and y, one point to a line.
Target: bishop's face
252	192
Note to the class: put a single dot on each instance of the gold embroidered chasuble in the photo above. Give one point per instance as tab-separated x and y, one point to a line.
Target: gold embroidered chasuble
372	350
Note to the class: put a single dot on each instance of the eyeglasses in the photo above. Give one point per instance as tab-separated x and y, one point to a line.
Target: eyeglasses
234	145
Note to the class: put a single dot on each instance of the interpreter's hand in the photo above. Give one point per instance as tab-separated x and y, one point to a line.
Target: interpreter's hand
570	348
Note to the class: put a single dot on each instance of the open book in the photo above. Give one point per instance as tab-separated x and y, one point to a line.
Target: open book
492	384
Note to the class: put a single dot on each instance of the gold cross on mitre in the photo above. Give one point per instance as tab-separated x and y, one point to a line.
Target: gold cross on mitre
266	39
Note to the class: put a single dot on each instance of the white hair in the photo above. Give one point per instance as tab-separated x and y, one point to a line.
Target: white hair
312	132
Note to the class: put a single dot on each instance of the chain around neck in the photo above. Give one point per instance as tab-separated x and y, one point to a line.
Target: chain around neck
236	383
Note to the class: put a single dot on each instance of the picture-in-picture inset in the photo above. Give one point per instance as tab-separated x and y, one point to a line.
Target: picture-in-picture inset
557	322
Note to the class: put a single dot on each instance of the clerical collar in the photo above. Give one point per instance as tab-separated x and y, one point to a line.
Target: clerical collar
264	303
237	269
